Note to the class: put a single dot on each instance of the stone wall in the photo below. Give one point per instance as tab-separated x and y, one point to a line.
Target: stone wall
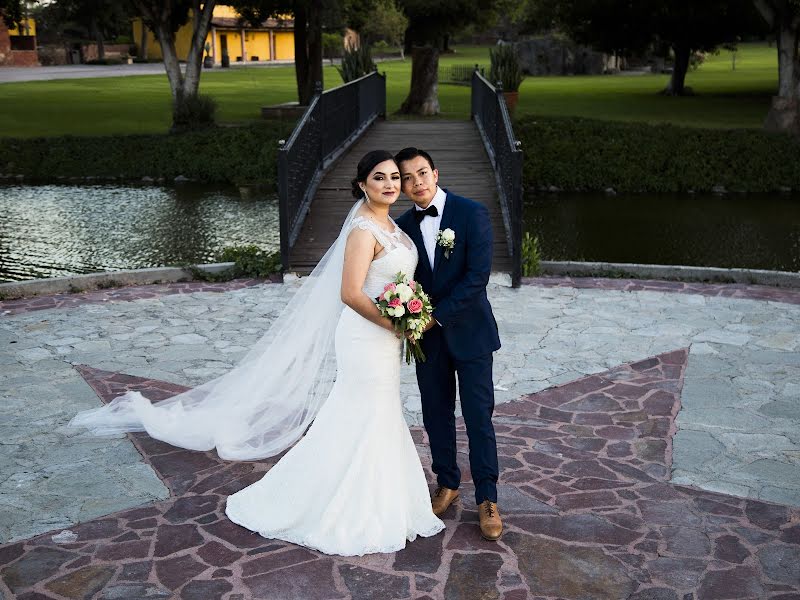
53	54
89	51
553	56
5	43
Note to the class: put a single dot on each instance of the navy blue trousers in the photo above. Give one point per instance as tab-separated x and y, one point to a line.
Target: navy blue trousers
437	384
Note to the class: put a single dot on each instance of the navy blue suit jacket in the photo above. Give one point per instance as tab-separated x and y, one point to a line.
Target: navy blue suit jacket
457	285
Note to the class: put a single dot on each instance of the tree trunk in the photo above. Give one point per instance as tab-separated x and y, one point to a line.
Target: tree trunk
143	43
784	19
305	87
423	97
784	112
315	44
171	65
201	21
677	82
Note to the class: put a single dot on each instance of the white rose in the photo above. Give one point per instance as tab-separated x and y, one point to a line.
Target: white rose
399	311
448	235
404	292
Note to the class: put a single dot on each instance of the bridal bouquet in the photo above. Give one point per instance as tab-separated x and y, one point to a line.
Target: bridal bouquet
409	308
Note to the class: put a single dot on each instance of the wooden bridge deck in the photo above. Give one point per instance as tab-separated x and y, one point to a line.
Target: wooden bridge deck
464	169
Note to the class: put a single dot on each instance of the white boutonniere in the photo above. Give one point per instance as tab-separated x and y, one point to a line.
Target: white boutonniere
447	240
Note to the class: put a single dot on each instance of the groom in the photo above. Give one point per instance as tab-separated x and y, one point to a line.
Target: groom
454	271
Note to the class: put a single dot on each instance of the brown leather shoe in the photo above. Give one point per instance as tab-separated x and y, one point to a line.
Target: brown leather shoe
491	524
442	498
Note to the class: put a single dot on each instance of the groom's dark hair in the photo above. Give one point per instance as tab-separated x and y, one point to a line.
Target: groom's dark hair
411	152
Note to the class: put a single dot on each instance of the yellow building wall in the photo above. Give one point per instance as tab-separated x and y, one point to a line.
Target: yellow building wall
234	45
26	27
257	43
284	45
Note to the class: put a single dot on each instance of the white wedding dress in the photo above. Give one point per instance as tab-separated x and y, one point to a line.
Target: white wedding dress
353	484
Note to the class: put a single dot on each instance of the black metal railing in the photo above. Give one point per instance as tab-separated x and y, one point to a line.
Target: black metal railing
333	120
490	113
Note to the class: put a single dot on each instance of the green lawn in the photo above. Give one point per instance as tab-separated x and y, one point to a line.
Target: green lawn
725	98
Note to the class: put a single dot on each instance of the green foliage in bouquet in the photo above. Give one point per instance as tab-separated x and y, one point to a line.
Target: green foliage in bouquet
404	302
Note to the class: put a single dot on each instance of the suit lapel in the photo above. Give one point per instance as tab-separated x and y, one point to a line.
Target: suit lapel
447	219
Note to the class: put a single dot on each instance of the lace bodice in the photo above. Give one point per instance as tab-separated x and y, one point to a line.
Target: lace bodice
399	254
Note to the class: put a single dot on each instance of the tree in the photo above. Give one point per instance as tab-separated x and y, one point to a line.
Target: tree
308	16
685	26
429	24
12	12
98	20
386	23
164	18
700	26
783	17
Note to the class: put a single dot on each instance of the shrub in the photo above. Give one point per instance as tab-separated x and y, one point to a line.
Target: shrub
249	261
531	256
193	112
332	45
356	62
505	67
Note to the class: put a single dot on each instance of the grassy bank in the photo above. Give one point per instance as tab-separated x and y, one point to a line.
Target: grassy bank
583	154
726	98
230	155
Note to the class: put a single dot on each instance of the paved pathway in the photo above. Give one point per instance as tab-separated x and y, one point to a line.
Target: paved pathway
17	74
585	463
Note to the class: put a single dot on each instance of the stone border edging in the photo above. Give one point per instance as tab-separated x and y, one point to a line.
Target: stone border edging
671	272
109	279
58	285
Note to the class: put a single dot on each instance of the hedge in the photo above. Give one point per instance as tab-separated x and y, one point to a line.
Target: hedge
231	155
575	154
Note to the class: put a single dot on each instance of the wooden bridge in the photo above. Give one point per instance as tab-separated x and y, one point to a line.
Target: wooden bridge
464	153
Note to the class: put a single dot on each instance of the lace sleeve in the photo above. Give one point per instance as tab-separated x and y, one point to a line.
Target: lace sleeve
383	238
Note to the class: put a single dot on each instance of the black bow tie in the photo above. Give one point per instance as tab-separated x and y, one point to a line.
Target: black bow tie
431	211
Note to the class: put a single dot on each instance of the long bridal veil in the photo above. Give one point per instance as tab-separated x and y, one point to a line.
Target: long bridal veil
265	403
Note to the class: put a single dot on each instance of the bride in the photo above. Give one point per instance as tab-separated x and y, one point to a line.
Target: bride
354	483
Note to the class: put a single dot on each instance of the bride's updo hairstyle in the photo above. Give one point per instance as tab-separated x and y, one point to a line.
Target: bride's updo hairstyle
365	166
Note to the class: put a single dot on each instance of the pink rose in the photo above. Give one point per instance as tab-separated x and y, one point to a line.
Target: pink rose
414	305
390	287
395	303
381	298
413	285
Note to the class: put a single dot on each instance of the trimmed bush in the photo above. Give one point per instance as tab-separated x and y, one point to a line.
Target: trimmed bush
231	155
582	154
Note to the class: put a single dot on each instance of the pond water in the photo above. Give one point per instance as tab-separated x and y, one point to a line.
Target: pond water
742	230
51	231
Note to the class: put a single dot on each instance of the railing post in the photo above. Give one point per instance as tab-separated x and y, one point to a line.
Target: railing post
517	221
474	93
498	117
283	202
321	117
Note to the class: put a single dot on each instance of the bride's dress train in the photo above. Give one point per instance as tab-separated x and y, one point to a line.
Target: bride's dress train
354	484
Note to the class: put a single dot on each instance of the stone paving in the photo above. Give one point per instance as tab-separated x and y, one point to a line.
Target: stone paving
737	433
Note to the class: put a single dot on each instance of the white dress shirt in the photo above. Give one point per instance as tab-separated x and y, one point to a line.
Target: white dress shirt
429	226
